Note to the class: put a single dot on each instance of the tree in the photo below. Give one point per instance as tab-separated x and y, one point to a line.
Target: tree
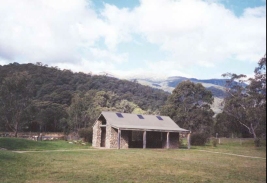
15	97
189	106
126	107
227	126
247	104
78	116
47	115
55	92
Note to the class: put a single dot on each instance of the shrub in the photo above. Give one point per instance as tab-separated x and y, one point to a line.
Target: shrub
181	143
86	134
257	142
199	139
214	142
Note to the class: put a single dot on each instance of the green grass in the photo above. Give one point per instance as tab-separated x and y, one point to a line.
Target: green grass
133	165
30	145
236	146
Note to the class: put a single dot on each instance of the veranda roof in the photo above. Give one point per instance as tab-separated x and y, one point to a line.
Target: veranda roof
125	121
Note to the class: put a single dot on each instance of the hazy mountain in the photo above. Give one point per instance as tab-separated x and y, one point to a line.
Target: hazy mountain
216	86
174	81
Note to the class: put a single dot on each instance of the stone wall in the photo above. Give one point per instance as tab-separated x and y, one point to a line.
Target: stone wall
112	134
108	136
96	134
111	140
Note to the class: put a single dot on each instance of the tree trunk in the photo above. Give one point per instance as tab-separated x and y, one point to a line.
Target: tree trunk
16	130
257	140
254	135
253	132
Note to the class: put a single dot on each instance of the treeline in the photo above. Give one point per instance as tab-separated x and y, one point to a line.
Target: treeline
35	97
244	111
38	98
245	105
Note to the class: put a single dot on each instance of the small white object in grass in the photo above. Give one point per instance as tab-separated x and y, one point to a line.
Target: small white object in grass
70	142
83	143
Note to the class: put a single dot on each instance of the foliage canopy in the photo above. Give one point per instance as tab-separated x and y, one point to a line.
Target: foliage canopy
42	98
247	104
189	106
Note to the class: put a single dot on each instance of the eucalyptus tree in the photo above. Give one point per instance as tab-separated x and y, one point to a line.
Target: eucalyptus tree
189	106
48	115
247	104
15	98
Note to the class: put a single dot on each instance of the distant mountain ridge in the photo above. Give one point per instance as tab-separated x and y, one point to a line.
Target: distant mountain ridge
174	81
216	86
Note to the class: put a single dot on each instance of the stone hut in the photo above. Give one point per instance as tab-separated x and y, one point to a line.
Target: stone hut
122	130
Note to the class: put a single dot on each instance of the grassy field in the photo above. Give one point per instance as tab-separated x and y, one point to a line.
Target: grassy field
132	165
30	145
237	146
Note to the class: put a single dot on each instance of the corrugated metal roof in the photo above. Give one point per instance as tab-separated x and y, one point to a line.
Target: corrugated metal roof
149	123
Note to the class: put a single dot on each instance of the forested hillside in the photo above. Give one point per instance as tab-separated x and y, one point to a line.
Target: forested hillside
38	98
51	99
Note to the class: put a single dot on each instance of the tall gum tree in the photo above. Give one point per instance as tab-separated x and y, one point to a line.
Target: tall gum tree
247	104
15	94
189	106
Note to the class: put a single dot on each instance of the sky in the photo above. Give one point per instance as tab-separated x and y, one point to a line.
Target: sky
152	39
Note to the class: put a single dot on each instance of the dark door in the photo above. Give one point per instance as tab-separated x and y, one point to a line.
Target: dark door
103	137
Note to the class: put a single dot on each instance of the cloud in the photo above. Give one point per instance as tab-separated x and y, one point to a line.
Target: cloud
73	34
193	33
120	23
197	32
53	32
255	12
87	66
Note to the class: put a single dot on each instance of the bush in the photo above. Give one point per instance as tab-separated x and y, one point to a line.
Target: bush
86	134
181	143
257	142
199	139
214	142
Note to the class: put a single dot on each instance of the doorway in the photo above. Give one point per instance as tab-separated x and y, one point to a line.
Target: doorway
103	137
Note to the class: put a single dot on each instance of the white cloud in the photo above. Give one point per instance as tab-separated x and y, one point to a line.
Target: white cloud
121	23
255	12
192	33
197	32
3	61
53	32
87	66
107	55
